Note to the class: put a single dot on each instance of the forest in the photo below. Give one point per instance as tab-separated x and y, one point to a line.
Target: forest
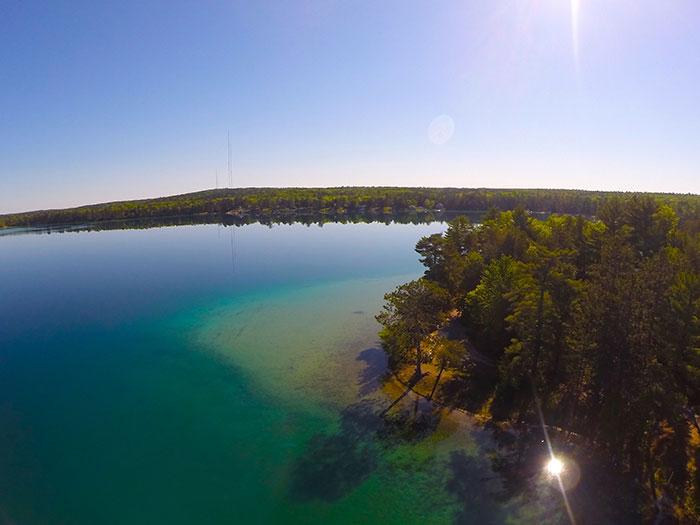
592	324
371	202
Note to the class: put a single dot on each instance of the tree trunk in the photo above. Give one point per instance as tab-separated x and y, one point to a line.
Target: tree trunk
419	370
419	361
437	380
538	331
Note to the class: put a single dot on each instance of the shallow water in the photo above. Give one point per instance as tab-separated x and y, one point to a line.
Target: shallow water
203	374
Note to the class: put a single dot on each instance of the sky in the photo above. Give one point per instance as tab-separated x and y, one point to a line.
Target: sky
106	100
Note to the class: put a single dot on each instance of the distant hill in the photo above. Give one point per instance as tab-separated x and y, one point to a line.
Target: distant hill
382	201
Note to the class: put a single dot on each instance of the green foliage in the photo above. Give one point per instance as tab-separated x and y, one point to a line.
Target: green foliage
449	259
350	201
410	314
488	306
541	299
598	320
445	352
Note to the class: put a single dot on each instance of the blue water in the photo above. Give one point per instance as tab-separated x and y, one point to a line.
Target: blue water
203	374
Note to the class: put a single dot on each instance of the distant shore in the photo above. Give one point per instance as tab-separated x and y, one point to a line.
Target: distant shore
356	204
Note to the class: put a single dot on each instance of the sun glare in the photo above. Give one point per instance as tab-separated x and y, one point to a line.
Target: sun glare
555	466
575	6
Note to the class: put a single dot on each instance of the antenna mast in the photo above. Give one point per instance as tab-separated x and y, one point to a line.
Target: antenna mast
230	173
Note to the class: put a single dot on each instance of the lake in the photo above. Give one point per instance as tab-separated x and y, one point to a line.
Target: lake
210	374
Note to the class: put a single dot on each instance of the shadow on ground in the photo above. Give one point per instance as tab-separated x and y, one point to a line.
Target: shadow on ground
469	392
410	421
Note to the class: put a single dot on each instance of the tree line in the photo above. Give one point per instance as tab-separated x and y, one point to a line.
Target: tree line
596	320
265	202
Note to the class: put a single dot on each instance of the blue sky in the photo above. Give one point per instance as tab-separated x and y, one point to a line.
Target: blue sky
111	100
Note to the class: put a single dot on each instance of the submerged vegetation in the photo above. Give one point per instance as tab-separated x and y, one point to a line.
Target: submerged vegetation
335	203
595	321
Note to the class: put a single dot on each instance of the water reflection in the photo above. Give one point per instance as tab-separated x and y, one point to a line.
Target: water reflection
271	219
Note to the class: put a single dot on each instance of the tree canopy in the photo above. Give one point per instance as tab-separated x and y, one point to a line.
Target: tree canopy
343	201
596	320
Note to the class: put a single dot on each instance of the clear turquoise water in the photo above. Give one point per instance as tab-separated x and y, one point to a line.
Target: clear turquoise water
204	374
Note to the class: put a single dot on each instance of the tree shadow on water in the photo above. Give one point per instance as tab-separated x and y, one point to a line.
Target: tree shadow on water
600	496
333	465
473	485
371	376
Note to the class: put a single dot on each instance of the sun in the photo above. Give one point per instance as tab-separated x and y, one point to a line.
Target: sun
575	8
555	466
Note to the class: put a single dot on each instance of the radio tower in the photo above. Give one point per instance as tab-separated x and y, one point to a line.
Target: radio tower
230	173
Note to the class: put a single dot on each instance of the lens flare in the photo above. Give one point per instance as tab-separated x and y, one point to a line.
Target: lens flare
555	466
441	130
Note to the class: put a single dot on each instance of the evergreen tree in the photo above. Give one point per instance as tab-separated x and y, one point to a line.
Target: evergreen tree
410	313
